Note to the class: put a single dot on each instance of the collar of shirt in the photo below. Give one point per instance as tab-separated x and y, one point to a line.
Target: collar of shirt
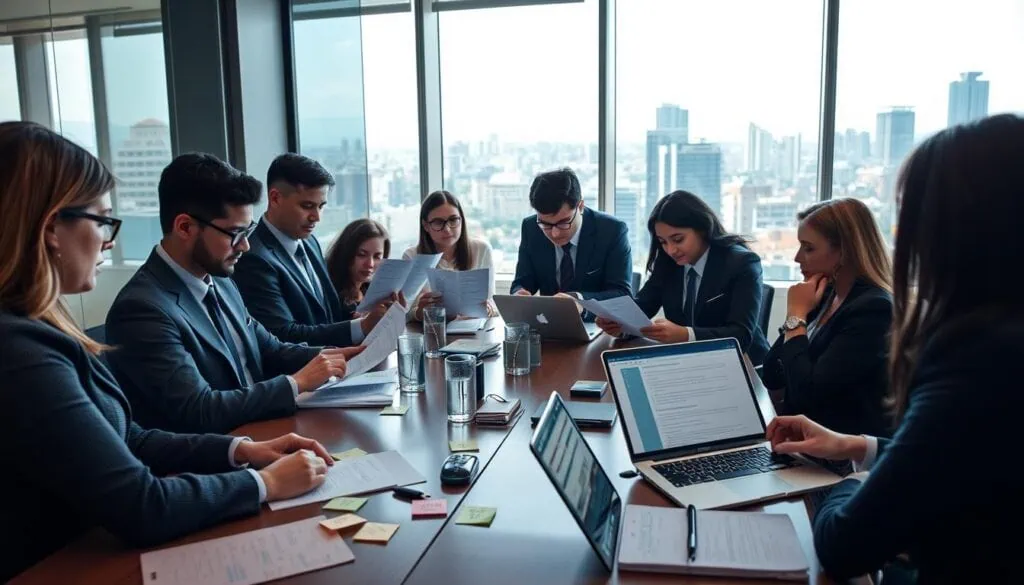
701	263
291	245
197	286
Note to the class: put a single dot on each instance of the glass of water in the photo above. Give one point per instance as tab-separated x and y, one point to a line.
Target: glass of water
434	329
517	349
460	384
411	370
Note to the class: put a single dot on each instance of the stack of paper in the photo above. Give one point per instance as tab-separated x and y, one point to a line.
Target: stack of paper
464	292
369	389
496	412
465	326
622	310
392	276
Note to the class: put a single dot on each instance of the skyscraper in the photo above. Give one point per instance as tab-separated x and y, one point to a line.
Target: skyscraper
968	99
670	116
627	208
663	144
138	162
787	165
700	172
759	149
895	135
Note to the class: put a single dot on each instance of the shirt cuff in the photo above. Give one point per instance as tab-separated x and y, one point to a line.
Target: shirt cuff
259	484
231	451
294	385
357	331
690	334
870	454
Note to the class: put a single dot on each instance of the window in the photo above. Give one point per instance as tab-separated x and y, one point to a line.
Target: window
724	106
966	64
71	88
10	108
518	96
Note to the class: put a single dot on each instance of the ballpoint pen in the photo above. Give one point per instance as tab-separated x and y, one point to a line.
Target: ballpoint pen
409	493
691	523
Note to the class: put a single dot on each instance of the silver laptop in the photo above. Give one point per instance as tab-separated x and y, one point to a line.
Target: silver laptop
694	421
552	317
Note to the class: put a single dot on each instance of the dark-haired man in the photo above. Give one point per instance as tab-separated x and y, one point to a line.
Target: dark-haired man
568	249
188	355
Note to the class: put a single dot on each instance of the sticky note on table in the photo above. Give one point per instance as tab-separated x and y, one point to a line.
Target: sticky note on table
345	504
429	508
375	532
350	454
467	445
342	522
476	515
395	410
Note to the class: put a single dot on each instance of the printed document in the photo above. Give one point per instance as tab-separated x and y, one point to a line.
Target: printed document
369	389
465	291
360	475
622	310
379	344
392	276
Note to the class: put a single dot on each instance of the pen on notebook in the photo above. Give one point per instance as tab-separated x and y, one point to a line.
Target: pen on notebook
409	493
691	540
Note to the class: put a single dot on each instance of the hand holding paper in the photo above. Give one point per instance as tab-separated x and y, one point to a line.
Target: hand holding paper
622	310
464	292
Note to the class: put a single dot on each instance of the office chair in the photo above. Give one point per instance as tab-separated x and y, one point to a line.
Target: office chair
767	296
97	333
636	283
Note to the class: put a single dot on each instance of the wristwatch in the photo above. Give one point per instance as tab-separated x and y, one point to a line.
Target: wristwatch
792	323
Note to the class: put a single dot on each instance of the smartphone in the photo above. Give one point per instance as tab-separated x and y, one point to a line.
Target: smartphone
588	389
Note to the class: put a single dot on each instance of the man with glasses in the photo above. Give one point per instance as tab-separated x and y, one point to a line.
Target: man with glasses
187	354
568	249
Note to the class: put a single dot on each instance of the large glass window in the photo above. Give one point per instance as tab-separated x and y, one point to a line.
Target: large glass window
71	88
900	82
720	99
519	96
10	109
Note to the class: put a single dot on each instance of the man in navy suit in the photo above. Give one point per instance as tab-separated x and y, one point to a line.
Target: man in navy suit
568	249
187	354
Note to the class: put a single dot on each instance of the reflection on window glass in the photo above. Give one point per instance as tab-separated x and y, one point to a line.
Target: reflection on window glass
723	107
10	109
518	97
71	90
966	65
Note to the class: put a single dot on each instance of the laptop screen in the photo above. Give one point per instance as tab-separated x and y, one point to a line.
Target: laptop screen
683	396
579	479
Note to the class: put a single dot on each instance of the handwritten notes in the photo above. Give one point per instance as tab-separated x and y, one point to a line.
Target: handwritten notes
467	445
342	522
375	532
345	504
476	515
349	454
395	410
429	508
358	475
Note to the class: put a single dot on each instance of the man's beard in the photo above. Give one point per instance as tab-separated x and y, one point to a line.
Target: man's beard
214	267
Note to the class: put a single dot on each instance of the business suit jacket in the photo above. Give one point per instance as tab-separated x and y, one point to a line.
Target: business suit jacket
839	376
728	300
175	368
941	490
73	457
280	298
603	261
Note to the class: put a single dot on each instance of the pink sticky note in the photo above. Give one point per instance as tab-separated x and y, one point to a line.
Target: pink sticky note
429	507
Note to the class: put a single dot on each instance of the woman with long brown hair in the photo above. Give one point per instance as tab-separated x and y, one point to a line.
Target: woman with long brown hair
940	491
74	458
830	357
353	258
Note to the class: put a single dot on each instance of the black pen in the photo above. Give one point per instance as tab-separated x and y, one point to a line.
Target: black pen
409	493
691	541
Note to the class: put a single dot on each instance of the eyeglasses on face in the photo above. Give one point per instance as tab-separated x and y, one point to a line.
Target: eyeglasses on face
236	236
109	225
438	224
561	225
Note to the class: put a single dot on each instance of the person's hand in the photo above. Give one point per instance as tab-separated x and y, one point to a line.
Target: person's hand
427	299
610	327
666	331
799	434
294	475
492	309
804	296
260	454
523	293
330	362
579	307
374	315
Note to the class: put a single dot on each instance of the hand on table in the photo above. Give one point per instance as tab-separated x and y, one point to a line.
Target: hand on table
294	474
665	331
260	454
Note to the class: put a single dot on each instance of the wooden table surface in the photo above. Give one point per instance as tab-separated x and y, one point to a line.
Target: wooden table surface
532	540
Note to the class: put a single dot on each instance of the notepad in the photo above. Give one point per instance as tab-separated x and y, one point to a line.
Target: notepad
342	522
345	504
476	515
429	508
467	445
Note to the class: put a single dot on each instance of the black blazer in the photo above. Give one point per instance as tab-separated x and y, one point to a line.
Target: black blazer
942	490
839	377
176	370
728	300
73	457
278	295
603	266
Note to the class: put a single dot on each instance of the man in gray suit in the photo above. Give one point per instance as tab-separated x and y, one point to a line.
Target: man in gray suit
187	354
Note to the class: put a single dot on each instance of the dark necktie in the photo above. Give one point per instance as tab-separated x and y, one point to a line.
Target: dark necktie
213	307
691	295
314	282
566	272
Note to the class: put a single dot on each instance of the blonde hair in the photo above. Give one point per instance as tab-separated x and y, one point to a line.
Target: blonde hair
849	227
41	173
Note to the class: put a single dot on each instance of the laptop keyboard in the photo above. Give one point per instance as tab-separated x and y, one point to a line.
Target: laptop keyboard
724	466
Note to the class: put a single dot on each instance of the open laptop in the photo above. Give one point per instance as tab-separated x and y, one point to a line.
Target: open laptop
694	422
552	317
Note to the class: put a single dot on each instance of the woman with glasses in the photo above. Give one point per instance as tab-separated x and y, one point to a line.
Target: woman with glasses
352	260
443	231
74	458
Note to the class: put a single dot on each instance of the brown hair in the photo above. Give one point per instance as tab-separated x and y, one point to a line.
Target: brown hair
41	173
463	255
343	252
849	227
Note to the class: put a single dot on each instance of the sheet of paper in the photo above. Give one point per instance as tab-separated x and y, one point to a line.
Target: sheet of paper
381	341
389	278
349	454
417	277
465	326
429	508
399	410
392	323
247	558
360	475
623	310
375	532
467	445
353	396
476	515
365	379
465	291
345	504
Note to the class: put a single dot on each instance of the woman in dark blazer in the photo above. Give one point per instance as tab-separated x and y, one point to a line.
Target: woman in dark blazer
830	357
73	457
689	244
941	491
351	261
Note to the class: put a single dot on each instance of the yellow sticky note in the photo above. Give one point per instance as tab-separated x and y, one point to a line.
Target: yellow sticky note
345	504
375	532
395	410
350	454
342	522
467	445
476	515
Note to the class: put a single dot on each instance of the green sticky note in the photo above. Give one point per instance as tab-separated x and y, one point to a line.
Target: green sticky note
476	515
467	445
345	504
395	410
350	454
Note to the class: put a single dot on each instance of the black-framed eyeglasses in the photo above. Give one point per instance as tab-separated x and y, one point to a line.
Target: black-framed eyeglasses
236	236
439	224
109	225
562	225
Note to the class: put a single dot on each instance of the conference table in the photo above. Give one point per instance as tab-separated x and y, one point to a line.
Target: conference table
533	538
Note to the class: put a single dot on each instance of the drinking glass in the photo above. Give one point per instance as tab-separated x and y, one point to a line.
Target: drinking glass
517	349
535	343
434	329
411	370
460	384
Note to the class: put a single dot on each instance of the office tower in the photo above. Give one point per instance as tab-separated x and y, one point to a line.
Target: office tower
787	159
663	144
700	172
746	210
895	135
671	116
627	208
759	150
968	99
138	163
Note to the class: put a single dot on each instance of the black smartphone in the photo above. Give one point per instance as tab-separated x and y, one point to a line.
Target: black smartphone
588	389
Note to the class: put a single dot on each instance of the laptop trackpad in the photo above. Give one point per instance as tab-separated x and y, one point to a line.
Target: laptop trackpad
754	487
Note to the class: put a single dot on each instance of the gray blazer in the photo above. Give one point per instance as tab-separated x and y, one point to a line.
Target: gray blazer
174	366
75	459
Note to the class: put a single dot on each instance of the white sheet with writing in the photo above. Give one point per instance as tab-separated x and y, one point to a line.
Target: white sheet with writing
417	277
464	291
389	278
250	557
369	473
622	310
382	340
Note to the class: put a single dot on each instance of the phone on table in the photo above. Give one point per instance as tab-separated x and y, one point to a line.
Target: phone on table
588	389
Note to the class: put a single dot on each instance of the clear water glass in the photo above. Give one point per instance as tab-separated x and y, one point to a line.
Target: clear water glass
434	330
517	349
460	385
535	342
411	367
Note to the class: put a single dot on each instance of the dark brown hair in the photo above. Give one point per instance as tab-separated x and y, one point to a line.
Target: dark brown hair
682	209
343	252
849	227
463	255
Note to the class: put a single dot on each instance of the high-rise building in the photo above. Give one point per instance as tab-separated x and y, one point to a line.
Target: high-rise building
670	116
787	161
627	208
138	162
895	135
759	149
663	144
700	172
968	99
